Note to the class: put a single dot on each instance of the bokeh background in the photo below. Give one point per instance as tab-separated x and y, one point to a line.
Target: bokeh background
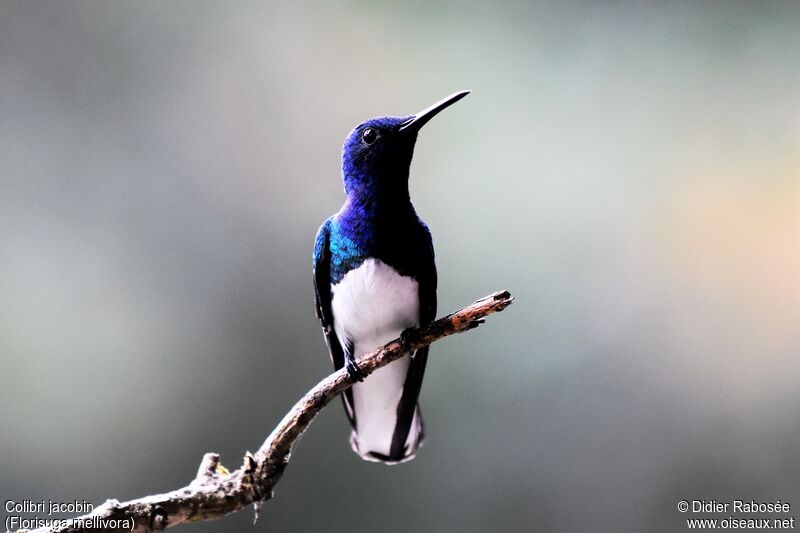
629	170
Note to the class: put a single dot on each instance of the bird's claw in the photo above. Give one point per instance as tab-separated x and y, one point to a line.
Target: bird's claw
409	336
353	371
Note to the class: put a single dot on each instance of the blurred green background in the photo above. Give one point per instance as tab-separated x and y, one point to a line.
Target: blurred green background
629	170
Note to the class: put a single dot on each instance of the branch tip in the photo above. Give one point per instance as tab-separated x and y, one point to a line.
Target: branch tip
249	465
257	510
208	466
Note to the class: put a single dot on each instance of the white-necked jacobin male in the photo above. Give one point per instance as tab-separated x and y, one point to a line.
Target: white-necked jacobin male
375	277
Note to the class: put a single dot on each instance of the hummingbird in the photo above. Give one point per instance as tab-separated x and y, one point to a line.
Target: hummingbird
374	278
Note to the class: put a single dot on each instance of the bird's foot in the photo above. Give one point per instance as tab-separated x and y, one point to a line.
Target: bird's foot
409	336
353	371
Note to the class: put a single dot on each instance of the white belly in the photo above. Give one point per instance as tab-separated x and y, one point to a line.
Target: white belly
372	305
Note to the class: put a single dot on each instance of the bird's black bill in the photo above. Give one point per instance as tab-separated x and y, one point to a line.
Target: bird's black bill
420	119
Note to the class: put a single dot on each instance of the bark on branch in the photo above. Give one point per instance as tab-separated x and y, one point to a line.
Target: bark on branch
213	494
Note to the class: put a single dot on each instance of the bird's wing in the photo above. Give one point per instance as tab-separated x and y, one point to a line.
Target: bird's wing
427	281
322	290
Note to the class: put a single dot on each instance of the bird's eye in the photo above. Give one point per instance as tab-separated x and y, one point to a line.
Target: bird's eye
369	136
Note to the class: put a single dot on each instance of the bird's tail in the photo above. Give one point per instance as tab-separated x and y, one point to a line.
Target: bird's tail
370	450
387	422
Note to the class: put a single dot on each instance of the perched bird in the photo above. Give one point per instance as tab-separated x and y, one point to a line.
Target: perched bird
375	277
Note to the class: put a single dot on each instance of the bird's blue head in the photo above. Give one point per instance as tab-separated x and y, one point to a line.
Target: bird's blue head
377	154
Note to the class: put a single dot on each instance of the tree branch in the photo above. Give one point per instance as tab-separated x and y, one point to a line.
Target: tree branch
213	494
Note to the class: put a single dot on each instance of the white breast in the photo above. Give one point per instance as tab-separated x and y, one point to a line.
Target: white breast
373	304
